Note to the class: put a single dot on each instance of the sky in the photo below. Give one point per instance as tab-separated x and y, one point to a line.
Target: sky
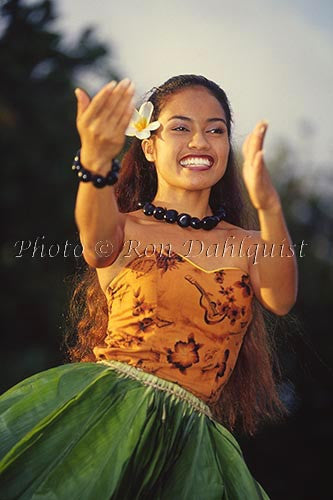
273	58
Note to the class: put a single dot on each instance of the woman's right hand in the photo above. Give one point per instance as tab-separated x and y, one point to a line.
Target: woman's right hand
102	122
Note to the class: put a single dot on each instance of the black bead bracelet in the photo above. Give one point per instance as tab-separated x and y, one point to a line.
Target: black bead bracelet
98	181
183	220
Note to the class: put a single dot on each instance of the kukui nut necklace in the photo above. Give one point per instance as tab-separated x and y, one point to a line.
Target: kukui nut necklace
171	216
183	220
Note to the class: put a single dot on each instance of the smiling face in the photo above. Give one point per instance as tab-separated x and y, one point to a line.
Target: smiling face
190	149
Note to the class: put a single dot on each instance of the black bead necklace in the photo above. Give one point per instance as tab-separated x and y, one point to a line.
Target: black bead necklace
183	220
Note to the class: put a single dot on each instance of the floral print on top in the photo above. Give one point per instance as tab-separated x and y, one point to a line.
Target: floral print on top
184	324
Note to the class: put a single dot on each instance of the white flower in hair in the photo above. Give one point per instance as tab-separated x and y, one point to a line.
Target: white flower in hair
139	124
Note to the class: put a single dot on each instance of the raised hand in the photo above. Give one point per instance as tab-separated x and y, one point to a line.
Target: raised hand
102	121
262	193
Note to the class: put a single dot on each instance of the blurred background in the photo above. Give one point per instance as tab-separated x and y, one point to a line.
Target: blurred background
274	61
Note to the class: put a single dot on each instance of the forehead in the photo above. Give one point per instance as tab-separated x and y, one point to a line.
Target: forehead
192	102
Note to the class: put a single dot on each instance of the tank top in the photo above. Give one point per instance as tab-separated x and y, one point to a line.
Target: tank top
170	317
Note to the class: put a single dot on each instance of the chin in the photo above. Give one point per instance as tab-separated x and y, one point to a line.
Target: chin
199	184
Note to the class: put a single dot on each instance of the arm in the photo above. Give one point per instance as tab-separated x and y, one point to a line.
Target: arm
101	123
274	277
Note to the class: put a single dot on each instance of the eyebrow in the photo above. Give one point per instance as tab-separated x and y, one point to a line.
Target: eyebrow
186	118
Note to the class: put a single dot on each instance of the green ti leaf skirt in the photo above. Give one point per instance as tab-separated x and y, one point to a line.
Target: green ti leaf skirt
108	430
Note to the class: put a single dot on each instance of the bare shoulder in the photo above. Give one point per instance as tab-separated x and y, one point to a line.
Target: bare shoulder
136	217
240	232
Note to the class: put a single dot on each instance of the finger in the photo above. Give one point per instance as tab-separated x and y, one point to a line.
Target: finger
245	147
118	111
258	161
257	140
117	102
98	102
83	101
126	117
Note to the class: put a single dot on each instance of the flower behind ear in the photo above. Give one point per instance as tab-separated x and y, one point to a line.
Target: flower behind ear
139	125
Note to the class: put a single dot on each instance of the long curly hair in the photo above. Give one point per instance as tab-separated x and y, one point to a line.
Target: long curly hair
250	396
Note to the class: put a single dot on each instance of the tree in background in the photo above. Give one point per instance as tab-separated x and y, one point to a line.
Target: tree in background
38	139
306	344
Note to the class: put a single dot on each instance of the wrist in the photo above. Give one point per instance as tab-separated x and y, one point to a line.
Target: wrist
275	209
98	166
98	180
272	207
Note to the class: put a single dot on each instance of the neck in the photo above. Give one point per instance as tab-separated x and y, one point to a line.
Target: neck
194	203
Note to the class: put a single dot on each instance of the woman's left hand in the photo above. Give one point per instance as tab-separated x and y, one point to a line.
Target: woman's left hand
257	180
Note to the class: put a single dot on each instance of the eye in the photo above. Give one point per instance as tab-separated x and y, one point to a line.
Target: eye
217	130
180	127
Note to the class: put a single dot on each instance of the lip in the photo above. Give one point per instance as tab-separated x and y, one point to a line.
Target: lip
197	167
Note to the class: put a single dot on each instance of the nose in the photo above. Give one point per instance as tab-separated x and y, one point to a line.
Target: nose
198	140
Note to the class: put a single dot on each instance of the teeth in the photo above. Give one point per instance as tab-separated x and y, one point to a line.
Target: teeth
196	161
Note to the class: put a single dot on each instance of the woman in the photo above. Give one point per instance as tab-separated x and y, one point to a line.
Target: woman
171	327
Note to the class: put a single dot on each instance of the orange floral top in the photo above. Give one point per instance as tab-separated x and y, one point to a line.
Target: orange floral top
169	317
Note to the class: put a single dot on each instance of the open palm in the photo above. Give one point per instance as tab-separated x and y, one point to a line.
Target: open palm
257	180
